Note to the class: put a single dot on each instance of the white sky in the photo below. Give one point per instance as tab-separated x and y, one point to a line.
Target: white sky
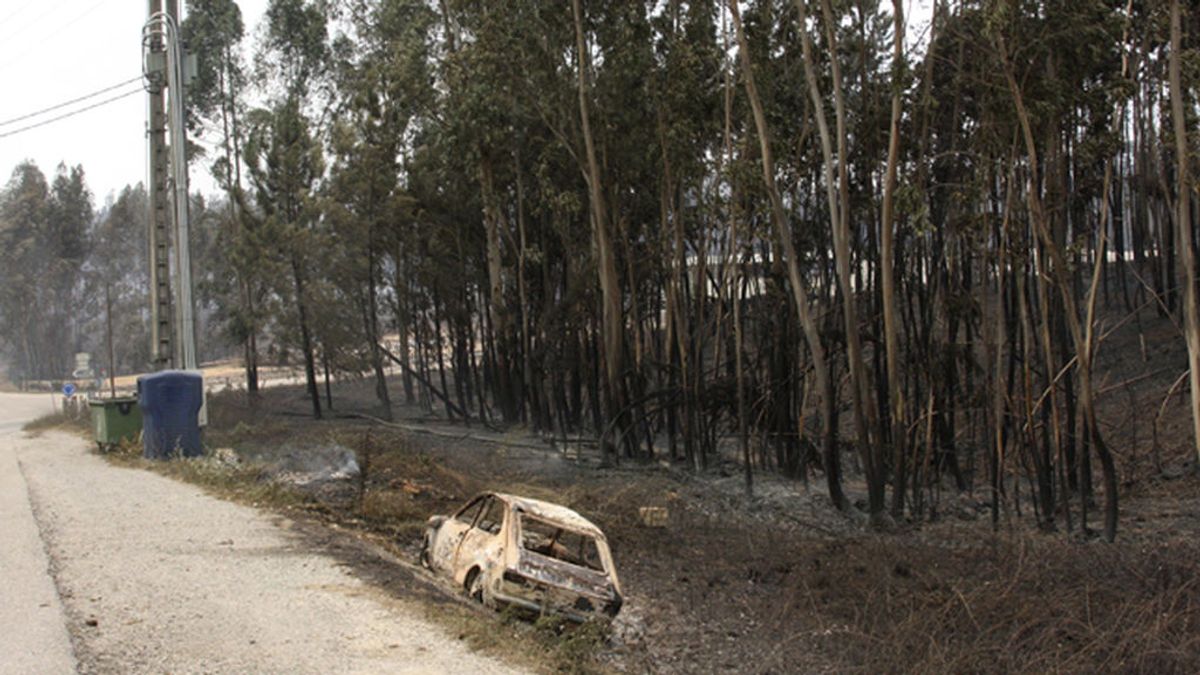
53	51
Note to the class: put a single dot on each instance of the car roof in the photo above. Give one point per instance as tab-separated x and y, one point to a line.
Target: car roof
550	511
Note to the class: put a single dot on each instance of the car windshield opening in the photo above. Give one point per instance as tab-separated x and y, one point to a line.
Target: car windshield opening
555	541
468	515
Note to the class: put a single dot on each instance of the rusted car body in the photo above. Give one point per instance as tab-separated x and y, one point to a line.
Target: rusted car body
506	550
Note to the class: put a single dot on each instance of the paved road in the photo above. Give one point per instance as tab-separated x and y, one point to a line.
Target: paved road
112	570
33	632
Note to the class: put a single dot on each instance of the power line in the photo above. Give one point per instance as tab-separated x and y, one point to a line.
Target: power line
58	25
21	29
76	20
64	104
72	113
58	28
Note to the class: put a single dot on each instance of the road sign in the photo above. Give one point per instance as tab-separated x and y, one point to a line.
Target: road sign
69	389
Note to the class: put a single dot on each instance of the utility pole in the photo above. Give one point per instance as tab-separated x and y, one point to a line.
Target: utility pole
173	330
112	355
185	324
174	333
161	324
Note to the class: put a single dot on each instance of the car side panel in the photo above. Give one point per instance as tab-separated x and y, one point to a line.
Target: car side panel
481	549
445	543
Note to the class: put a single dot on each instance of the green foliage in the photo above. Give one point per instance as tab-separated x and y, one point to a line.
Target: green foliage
213	31
295	50
45	238
115	266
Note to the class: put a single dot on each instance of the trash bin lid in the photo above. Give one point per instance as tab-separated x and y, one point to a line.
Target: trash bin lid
119	400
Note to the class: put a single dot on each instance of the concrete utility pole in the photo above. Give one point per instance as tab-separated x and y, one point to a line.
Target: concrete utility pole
161	328
174	333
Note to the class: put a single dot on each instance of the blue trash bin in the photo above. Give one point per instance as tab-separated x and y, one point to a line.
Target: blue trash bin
170	401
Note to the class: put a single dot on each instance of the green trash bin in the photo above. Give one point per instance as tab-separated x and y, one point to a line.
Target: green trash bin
115	420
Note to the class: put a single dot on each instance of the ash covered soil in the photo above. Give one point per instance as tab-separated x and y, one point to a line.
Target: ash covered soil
780	582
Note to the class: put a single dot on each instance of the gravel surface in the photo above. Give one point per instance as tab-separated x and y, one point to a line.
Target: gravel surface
156	576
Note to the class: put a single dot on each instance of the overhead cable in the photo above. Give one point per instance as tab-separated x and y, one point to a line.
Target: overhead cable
64	104
72	113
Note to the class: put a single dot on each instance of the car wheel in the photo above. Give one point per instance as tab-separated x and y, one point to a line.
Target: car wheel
474	585
423	557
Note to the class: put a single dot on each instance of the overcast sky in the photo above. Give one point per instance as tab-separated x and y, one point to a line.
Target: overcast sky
53	51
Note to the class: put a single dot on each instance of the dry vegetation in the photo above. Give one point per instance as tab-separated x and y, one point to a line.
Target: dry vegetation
776	583
57	420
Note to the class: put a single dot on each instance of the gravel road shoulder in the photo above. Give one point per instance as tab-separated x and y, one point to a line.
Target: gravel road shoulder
156	576
33	635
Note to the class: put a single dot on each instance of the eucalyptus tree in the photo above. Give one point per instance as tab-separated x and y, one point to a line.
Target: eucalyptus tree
799	286
1012	181
382	85
69	221
214	31
887	265
613	322
283	157
564	221
285	163
24	207
685	99
1049	201
1183	198
45	239
115	269
483	121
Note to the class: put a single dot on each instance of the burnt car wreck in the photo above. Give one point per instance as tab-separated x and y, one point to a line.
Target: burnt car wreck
504	550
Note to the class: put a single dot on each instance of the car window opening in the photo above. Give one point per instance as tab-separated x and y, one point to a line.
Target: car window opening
554	541
493	517
467	516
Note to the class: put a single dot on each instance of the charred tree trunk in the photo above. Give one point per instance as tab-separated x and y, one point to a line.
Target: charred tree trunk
798	285
306	343
613	320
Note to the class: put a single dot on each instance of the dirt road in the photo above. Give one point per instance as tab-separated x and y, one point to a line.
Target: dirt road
120	570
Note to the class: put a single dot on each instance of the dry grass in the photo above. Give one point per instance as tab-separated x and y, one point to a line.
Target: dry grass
1030	604
57	421
547	645
246	483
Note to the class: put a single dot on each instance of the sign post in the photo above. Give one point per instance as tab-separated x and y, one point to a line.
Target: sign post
68	390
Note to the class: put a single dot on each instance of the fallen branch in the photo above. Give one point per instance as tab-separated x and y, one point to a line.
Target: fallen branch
1132	380
413	428
425	382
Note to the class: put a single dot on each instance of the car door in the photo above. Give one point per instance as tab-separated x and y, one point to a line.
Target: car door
481	543
450	534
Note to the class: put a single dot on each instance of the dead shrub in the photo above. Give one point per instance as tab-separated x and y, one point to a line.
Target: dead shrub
391	508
